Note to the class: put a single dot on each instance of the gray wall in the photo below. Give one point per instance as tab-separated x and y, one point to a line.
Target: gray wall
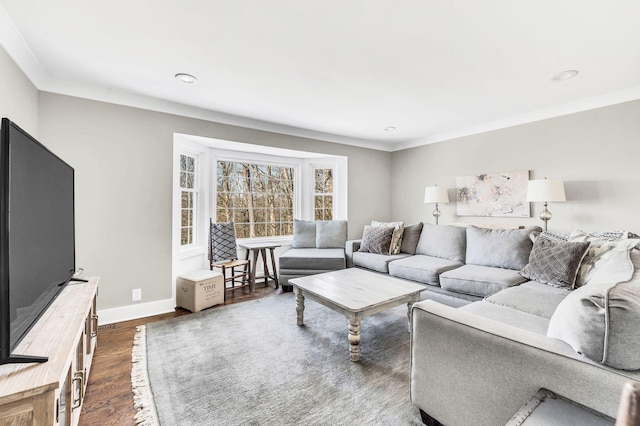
595	152
18	97
123	162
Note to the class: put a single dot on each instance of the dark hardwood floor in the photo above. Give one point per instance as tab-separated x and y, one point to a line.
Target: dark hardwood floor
109	398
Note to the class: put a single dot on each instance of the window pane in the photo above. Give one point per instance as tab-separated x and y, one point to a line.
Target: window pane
317	201
328	181
184	236
328	202
254	197
328	214
183	180
183	163
191	164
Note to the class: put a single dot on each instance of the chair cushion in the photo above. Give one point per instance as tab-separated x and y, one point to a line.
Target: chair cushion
421	268
479	280
223	242
500	248
443	241
331	234
312	259
376	262
304	234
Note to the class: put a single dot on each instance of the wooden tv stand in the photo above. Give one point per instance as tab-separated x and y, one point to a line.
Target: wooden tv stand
51	393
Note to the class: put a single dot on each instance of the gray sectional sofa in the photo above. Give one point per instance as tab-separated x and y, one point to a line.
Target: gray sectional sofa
525	311
458	265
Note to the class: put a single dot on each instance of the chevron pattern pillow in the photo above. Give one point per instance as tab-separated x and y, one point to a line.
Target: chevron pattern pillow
223	242
555	262
376	239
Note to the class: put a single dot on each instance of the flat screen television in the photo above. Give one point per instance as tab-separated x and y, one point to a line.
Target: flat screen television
37	236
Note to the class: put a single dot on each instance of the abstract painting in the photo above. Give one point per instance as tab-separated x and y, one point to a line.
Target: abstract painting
493	194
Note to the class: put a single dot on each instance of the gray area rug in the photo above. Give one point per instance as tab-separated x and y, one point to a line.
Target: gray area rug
250	364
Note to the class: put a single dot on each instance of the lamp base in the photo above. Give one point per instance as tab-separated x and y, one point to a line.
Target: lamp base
436	213
545	216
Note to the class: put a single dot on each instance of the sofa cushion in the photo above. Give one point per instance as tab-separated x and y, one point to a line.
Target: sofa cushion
555	262
304	234
376	239
421	268
443	241
376	262
312	258
331	233
410	238
599	251
479	280
506	315
500	248
600	320
398	231
532	297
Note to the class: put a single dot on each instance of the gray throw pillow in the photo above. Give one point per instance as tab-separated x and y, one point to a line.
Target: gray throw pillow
376	239
555	262
304	234
600	320
443	241
410	238
499	248
331	234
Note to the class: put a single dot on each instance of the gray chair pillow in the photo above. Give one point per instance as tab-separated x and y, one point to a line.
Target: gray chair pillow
410	238
331	234
600	320
443	241
555	262
304	234
376	239
499	248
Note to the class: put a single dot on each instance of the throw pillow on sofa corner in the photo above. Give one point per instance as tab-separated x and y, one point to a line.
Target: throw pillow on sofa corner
600	320
398	230
555	263
376	239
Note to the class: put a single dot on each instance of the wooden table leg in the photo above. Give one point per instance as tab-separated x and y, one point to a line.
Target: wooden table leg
254	267
265	265
354	339
299	305
273	265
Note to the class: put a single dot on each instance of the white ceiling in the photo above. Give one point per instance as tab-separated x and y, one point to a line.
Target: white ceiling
340	70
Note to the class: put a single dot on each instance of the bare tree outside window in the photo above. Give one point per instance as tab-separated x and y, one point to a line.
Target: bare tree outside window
188	199
323	194
258	198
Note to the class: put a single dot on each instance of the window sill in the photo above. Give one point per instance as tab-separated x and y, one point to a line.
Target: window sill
191	251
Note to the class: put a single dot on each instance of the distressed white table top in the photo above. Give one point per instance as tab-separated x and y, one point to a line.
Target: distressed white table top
356	289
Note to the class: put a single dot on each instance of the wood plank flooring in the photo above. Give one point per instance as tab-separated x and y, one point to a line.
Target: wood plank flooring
109	398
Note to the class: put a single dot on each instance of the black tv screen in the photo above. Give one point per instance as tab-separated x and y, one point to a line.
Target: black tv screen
36	232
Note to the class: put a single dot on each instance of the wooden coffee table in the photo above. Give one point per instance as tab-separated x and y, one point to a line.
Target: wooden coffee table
355	293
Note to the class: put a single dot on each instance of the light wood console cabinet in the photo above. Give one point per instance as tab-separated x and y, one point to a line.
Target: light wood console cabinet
51	393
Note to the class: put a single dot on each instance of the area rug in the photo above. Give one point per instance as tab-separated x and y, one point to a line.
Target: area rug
250	364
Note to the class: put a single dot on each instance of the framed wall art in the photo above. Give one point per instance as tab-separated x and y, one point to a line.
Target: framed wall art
493	194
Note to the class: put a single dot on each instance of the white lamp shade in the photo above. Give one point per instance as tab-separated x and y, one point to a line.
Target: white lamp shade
435	194
545	190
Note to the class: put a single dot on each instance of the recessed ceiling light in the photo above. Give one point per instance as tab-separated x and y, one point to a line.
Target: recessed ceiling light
186	78
565	75
390	129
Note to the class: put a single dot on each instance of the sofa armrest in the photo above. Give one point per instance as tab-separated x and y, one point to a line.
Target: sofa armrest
350	247
467	369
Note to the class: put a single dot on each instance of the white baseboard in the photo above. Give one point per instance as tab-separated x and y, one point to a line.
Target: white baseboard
138	310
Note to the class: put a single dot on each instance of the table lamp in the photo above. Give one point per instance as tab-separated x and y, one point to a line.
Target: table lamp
435	194
545	190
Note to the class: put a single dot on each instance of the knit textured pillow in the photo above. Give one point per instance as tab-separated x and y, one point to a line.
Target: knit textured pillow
555	262
398	231
376	239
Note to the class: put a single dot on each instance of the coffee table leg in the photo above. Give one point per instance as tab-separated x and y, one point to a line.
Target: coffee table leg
299	305
354	340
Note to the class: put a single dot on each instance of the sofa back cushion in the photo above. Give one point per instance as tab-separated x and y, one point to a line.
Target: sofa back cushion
304	234
600	320
443	241
410	238
331	234
499	248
